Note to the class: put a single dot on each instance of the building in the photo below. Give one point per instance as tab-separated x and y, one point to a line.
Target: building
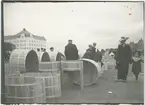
26	40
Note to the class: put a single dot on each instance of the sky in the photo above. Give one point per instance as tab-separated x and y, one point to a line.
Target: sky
83	22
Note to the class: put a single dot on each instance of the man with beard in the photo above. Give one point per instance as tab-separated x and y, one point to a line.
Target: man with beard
123	59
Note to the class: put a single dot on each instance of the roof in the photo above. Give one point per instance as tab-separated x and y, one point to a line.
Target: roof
26	33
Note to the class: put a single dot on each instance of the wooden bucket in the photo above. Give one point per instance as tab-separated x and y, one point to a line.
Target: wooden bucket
24	60
91	72
24	90
52	83
49	66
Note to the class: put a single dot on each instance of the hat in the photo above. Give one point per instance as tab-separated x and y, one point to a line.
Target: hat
51	48
124	38
69	40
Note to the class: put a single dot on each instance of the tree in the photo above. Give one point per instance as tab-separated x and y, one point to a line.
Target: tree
8	48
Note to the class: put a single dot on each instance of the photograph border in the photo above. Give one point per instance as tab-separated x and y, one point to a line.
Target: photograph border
48	1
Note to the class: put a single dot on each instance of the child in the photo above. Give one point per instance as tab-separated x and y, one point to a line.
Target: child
136	64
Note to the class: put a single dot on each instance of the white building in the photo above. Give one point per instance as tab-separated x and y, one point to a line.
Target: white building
26	40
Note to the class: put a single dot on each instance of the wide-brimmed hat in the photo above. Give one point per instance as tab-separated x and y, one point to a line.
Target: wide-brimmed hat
124	38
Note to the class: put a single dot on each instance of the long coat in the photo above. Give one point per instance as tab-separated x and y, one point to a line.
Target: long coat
136	65
71	52
123	58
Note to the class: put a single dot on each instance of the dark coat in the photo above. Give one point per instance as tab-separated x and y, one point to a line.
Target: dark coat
123	59
136	66
98	56
88	55
124	54
71	52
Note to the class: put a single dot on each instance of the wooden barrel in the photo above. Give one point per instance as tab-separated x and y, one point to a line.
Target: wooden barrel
24	60
24	90
52	83
91	72
43	56
49	66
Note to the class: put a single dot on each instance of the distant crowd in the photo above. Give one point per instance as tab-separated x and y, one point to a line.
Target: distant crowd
123	57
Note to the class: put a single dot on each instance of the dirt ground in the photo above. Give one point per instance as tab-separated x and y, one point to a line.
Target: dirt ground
129	92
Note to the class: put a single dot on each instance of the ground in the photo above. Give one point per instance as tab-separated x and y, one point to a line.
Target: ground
130	92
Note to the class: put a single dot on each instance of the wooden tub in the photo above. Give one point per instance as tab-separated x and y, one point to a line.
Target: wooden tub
52	83
91	72
24	90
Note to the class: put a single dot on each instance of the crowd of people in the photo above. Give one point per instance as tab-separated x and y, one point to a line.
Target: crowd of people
123	57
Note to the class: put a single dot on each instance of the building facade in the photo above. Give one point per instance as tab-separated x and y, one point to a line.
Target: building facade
26	40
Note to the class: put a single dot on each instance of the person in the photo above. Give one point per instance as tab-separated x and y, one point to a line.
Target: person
106	56
94	46
88	54
71	51
123	59
60	56
136	64
52	54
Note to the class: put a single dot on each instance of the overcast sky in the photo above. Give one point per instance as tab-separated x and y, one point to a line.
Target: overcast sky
83	22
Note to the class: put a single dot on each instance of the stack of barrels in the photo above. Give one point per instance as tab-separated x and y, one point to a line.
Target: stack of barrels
33	84
39	78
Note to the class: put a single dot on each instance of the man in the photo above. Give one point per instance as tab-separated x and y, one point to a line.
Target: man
52	54
94	47
60	56
123	59
71	51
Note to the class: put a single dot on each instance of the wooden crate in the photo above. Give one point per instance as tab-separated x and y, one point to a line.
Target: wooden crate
52	83
71	67
24	90
49	66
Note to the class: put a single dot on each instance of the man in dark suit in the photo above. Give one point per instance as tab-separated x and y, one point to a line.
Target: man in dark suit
123	59
71	51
